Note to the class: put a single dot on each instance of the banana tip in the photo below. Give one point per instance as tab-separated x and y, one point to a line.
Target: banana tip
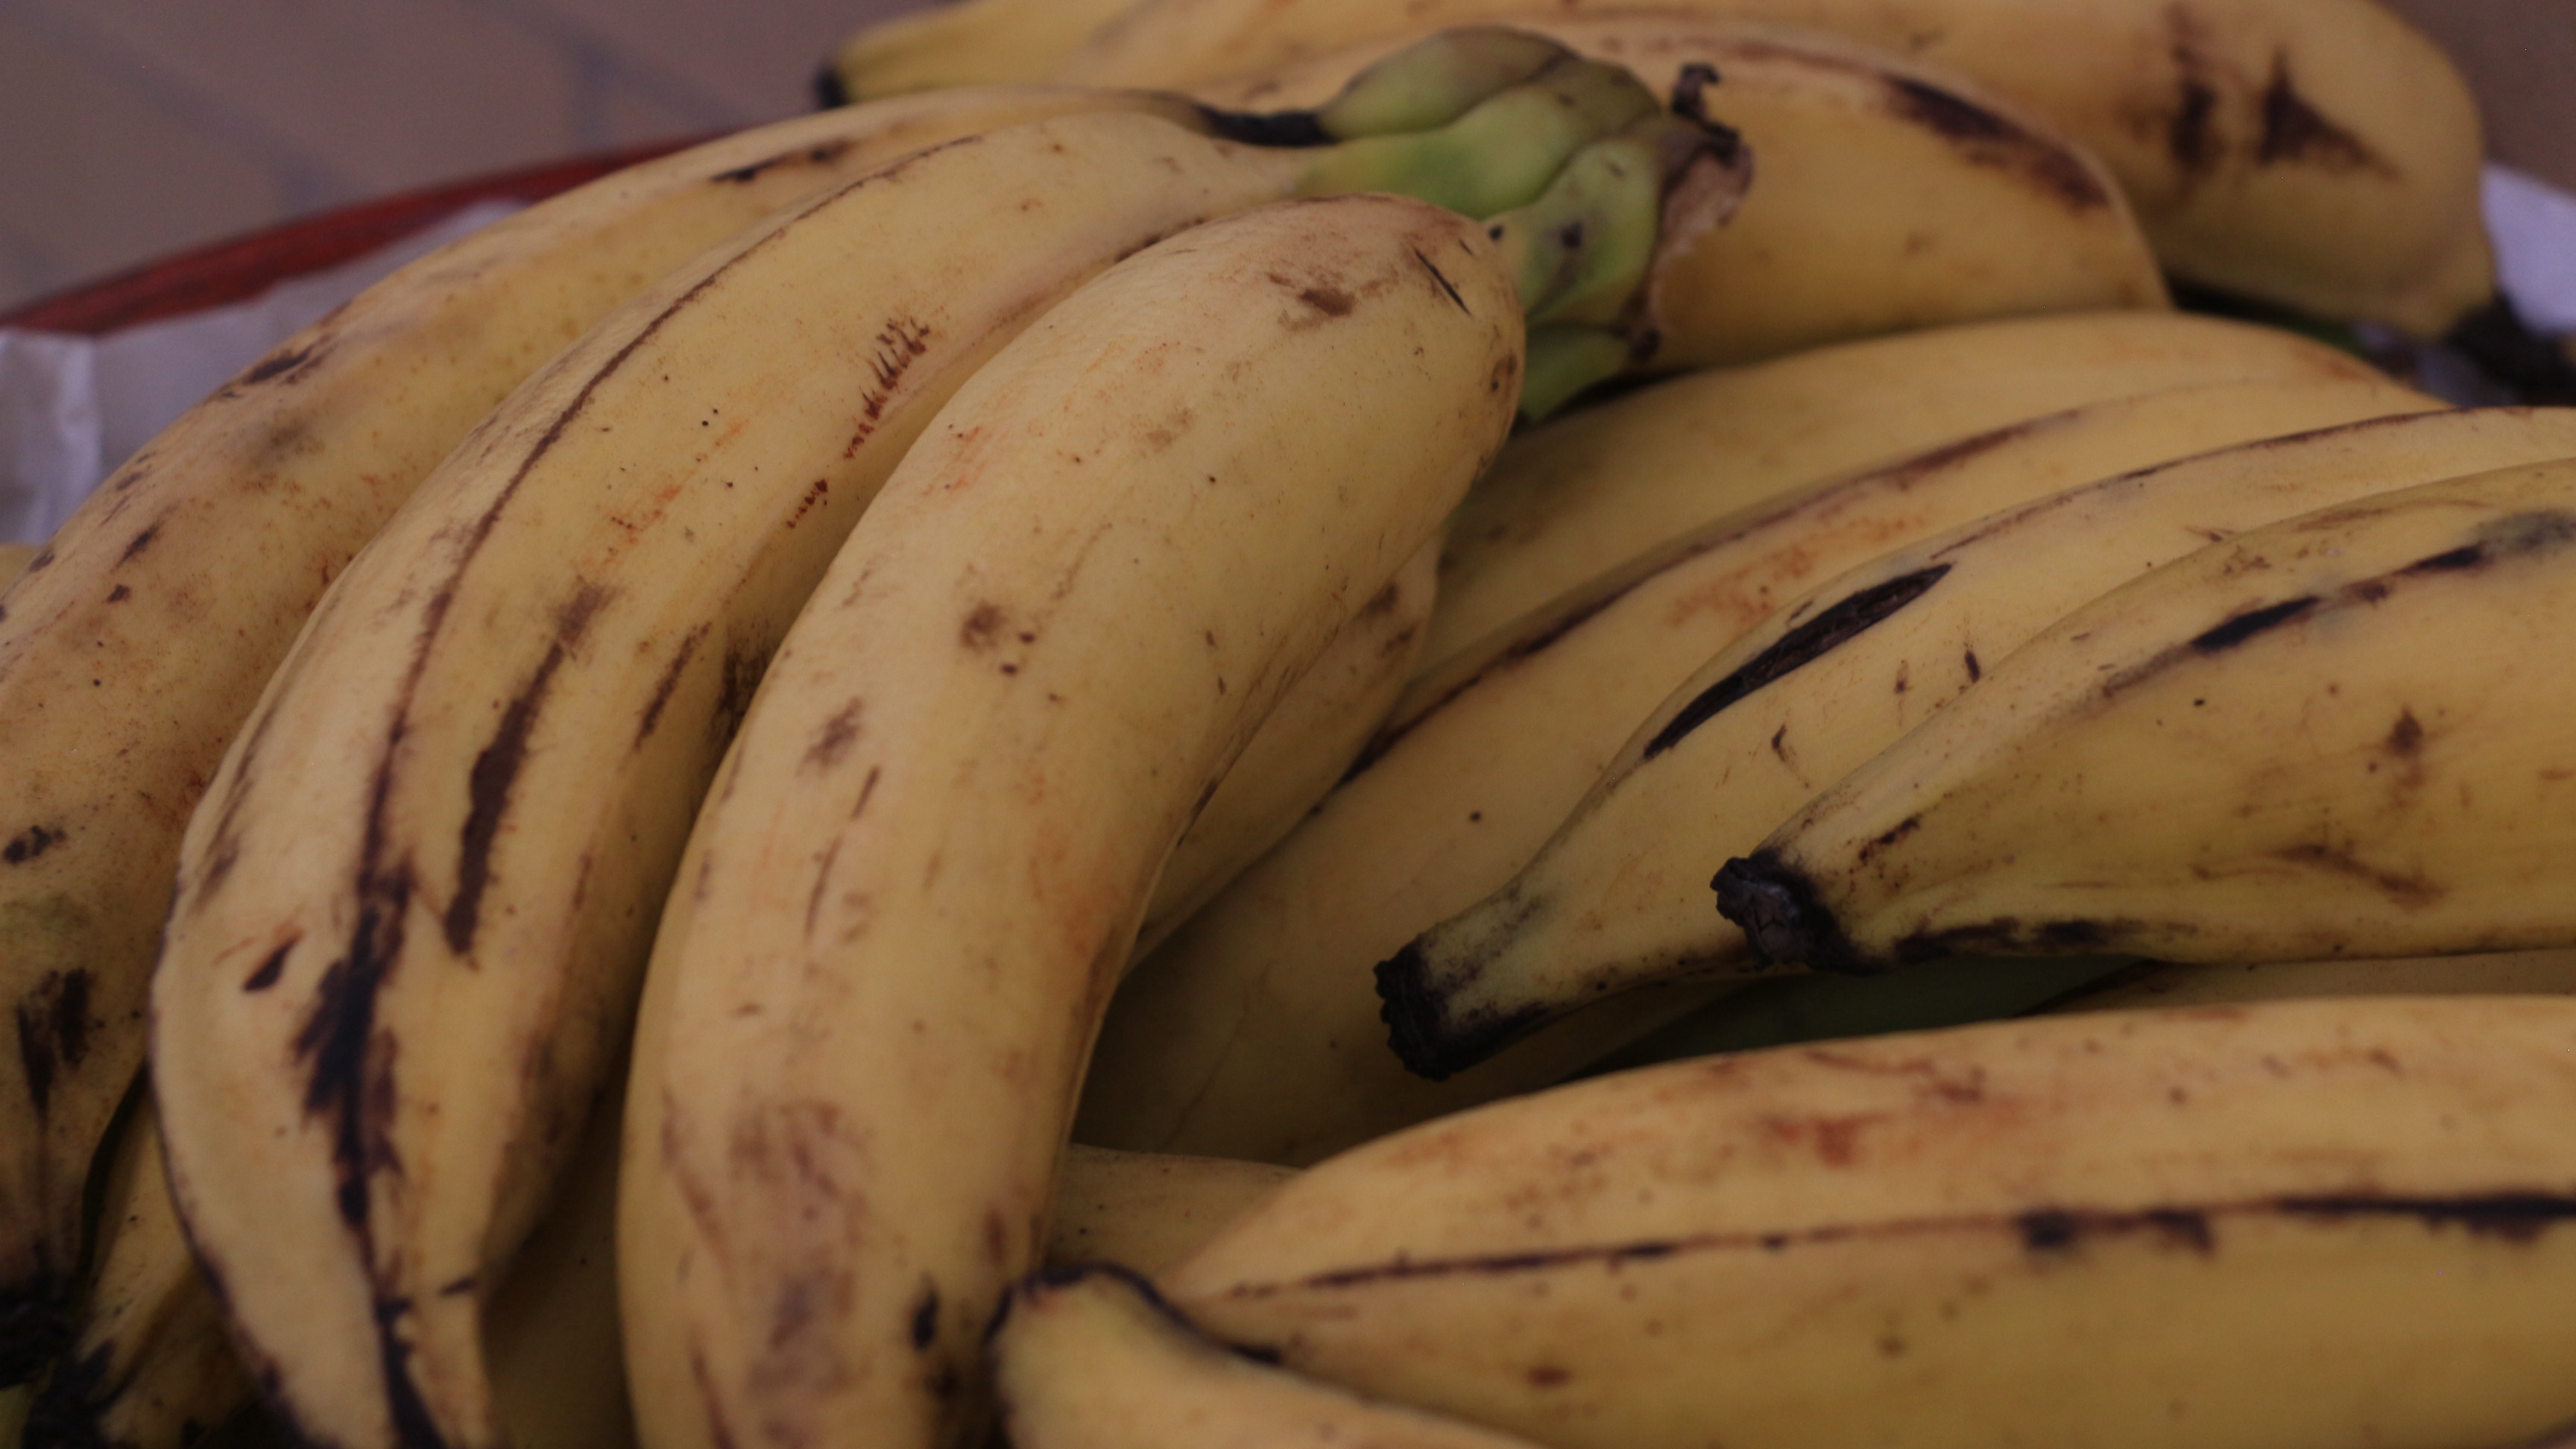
1430	1038
830	91
1777	909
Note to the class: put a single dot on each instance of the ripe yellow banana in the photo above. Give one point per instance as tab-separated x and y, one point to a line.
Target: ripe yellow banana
1092	1358
141	635
151	1366
2301	1225
2322	154
13	561
147	1364
1593	488
1303	746
1253	1032
2325	737
2548	970
1147	1209
1890	195
926	855
1619	896
414	910
967	42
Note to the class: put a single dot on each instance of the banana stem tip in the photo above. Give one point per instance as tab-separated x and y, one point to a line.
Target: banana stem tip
1778	910
1427	1036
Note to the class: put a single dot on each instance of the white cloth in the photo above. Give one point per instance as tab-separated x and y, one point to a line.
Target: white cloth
72	408
2534	227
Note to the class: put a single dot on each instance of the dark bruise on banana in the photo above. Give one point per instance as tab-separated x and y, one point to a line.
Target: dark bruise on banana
2287	128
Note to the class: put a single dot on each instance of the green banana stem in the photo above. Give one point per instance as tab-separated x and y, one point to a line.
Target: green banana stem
1588	182
1586	253
1563	361
1502	153
1431	83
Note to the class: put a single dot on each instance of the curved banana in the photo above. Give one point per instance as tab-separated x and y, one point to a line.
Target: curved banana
924	860
1619	896
2548	970
414	910
1320	725
1589	490
2298	1225
140	637
1147	1209
1092	1358
1889	195
2325	737
1254	1031
147	1364
966	42
13	561
2321	154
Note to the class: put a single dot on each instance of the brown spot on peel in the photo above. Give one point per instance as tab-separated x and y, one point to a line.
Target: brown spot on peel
2297	132
53	1031
669	681
834	739
287	364
34	841
1331	301
1995	141
496	768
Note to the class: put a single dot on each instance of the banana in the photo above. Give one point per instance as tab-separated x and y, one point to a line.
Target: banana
2324	737
140	637
13	561
1147	1209
2301	1225
147	1364
488	744
1591	489
2550	970
1303	746
1254	1031
150	1365
969	42
1092	1358
1619	895
924	860
2320	154
1890	195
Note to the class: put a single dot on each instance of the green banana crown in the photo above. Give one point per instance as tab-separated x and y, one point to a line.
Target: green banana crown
1583	176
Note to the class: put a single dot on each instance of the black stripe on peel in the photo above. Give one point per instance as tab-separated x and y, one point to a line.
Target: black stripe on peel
1846	619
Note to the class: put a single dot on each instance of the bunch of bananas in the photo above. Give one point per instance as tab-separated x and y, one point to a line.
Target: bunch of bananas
638	783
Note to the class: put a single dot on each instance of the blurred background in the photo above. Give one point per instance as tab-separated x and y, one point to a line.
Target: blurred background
140	127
